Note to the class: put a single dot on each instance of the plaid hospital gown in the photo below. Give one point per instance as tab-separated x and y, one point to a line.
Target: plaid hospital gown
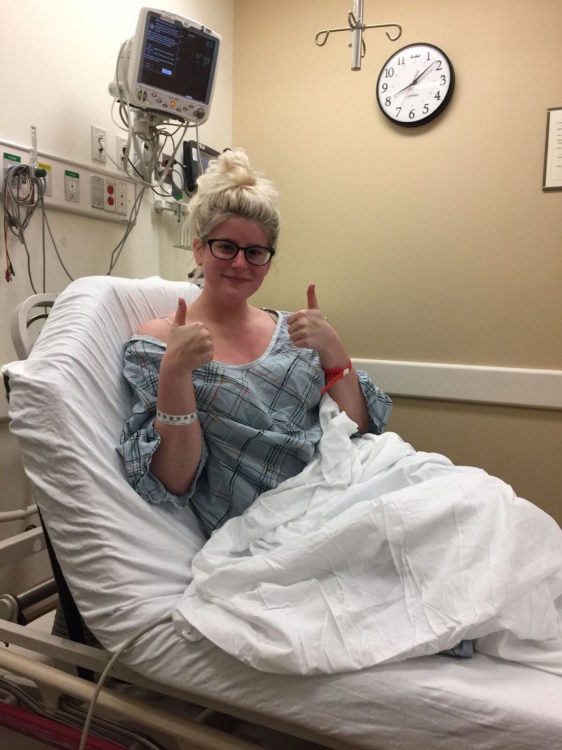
259	420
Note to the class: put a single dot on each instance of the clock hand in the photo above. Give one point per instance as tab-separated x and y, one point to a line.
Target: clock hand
424	72
409	86
417	78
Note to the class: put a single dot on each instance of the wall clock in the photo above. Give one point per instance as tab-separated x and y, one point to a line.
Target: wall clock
415	84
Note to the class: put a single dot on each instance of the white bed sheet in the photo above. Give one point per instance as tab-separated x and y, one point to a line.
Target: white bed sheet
128	563
376	553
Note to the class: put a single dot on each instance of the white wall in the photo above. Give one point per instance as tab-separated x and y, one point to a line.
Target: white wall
56	61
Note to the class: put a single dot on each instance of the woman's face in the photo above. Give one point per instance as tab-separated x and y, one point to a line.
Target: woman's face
235	277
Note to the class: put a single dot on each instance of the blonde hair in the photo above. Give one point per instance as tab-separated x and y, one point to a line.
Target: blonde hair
232	187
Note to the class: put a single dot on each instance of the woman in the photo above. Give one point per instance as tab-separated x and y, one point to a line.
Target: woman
226	395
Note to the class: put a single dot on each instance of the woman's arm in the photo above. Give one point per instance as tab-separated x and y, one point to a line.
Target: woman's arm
309	329
176	460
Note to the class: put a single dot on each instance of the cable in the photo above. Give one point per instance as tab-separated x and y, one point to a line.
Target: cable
55	246
108	667
22	192
45	222
130	224
146	139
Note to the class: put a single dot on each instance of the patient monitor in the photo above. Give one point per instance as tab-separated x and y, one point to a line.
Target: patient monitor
168	66
164	73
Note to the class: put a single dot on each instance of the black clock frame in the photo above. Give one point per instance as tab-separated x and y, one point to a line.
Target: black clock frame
440	109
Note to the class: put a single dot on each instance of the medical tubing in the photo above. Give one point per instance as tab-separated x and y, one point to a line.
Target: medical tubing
108	667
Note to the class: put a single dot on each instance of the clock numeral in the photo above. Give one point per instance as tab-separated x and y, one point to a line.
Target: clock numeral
398	110
400	61
384	87
387	101
437	96
425	108
443	80
439	65
389	72
412	114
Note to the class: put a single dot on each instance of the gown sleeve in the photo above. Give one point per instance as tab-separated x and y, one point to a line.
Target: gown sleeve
140	439
379	404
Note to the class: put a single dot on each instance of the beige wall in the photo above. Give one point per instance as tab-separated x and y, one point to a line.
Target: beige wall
431	244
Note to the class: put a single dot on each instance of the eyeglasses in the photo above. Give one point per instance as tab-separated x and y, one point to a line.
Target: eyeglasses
256	255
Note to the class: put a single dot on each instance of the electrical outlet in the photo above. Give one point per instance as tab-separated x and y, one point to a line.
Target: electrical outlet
109	192
121	198
98	144
121	153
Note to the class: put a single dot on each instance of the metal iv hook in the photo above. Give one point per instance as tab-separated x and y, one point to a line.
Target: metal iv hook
357	27
322	36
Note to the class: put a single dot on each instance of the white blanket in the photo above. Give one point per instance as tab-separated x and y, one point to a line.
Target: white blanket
374	553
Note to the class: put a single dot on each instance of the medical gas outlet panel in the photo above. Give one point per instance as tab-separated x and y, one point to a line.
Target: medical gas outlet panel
76	188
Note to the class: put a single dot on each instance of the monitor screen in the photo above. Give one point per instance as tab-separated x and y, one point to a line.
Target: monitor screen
177	59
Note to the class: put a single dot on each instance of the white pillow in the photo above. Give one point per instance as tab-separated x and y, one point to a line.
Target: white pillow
120	555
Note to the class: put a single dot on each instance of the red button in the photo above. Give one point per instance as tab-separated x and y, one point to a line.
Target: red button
110	189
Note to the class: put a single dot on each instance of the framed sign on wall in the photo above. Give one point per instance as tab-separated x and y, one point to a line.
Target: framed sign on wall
552	174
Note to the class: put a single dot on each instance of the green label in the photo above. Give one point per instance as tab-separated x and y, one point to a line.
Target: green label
12	157
68	173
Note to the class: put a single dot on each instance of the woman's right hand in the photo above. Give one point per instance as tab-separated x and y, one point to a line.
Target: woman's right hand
190	345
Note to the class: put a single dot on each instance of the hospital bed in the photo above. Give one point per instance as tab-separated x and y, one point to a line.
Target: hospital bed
126	564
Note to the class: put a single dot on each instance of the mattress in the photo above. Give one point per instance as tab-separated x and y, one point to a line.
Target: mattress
128	563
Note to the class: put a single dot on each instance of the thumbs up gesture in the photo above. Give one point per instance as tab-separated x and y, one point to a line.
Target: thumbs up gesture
308	328
190	344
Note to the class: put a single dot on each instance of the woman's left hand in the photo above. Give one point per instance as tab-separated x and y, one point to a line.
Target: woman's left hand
309	329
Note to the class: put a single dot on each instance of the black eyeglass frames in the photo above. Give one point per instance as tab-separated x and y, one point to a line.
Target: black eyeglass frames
256	255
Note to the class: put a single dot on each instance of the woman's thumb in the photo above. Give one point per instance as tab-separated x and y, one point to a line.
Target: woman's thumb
181	313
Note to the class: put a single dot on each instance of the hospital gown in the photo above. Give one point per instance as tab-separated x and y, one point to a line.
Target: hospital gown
259	420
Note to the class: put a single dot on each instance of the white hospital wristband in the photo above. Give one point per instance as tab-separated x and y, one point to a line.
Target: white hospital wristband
176	418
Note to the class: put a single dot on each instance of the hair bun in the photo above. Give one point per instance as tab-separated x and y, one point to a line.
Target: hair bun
233	169
230	186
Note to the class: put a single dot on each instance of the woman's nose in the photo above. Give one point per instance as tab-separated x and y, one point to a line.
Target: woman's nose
239	260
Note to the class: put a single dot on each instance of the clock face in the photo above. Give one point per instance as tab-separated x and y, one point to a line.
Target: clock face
415	84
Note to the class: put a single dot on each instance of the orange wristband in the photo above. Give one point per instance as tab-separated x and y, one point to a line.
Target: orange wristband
333	374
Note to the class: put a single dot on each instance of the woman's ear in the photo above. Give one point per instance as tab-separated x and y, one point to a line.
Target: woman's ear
198	250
